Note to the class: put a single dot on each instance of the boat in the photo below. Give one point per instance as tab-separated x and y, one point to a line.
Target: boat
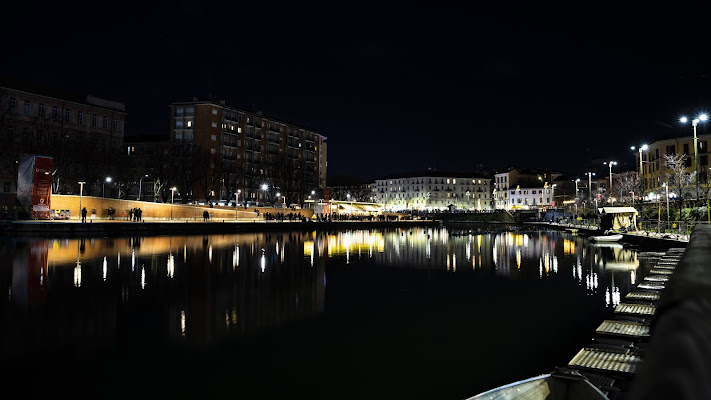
563	384
605	238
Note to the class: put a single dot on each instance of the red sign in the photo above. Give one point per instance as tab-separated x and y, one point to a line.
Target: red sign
41	188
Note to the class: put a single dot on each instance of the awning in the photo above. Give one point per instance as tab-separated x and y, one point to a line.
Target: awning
617	210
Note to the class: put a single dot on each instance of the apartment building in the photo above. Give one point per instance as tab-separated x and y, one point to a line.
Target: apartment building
435	190
655	171
80	132
531	179
235	150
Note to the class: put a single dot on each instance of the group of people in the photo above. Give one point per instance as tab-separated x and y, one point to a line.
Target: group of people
280	216
205	216
135	214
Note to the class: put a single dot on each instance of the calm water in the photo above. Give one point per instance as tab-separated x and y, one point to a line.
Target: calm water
417	313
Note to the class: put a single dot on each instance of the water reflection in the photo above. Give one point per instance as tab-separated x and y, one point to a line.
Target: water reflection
202	289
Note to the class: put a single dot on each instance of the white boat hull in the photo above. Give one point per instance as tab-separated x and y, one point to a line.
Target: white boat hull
606	238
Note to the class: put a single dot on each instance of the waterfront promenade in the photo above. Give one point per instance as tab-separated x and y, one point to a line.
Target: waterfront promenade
158	226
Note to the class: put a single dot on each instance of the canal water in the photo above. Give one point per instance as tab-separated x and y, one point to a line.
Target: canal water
389	313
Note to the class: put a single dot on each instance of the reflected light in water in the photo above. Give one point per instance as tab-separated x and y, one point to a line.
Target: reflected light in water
77	275
171	265
209	253
143	277
182	322
105	268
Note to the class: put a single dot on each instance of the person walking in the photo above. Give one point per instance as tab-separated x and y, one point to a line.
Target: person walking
83	215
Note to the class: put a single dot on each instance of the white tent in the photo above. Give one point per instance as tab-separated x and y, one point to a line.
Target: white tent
622	217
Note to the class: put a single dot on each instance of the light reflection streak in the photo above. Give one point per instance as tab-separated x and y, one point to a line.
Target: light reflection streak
171	265
143	277
105	268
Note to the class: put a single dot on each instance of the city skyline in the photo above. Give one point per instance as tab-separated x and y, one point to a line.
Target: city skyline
492	88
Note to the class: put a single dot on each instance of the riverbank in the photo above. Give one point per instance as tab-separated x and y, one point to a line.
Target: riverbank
636	238
161	227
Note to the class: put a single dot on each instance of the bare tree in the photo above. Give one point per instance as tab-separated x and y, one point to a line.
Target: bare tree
678	176
626	184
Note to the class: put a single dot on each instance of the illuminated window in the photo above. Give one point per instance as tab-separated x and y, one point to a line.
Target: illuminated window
447	183
213	151
480	181
454	181
190	124
239	129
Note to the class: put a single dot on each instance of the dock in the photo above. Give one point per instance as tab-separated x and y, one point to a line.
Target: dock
621	343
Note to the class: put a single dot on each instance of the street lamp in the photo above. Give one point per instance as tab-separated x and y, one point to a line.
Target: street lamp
264	191
81	191
694	122
103	186
610	164
172	197
641	148
237	202
666	186
139	186
590	174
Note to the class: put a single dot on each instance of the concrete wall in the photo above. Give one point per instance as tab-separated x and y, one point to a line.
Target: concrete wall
157	210
678	362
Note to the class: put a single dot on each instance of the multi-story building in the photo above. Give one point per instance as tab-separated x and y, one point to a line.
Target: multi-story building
530	197
81	133
236	150
531	179
435	190
655	171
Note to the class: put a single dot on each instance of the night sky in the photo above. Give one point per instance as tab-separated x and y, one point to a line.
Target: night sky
393	89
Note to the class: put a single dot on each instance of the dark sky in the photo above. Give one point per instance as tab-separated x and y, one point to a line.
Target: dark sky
393	89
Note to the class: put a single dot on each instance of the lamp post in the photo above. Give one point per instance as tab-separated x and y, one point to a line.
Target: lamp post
264	192
694	122
666	186
172	197
81	191
103	186
139	186
641	148
237	202
590	174
610	164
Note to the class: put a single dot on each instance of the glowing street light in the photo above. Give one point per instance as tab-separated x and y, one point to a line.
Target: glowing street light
264	191
103	186
641	148
610	164
590	174
694	122
139	186
81	191
237	202
172	197
666	186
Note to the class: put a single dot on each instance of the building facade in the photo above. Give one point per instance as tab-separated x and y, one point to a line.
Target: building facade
434	190
82	133
507	183
238	151
655	171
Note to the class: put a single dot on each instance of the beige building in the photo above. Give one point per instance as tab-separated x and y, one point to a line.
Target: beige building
257	155
508	186
655	172
435	190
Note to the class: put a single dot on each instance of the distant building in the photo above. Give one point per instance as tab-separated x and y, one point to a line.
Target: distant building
435	190
655	171
232	149
82	133
528	179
